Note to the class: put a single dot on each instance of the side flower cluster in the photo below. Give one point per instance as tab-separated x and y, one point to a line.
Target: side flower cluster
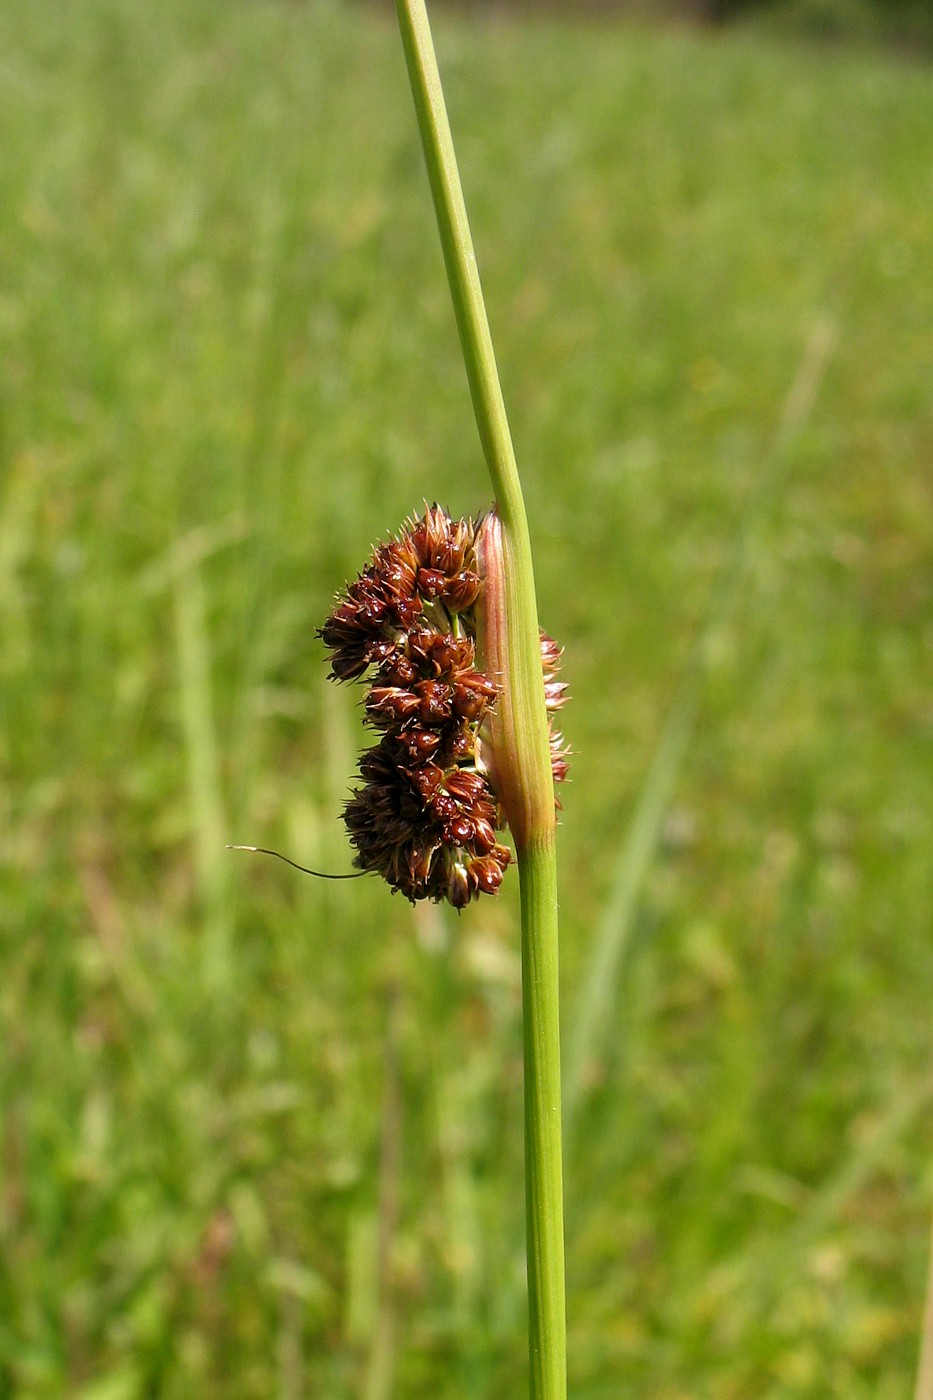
424	816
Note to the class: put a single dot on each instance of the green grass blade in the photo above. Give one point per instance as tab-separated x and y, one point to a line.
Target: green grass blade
591	1014
206	801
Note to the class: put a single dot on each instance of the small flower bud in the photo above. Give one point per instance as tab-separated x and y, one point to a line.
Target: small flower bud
459	889
486	874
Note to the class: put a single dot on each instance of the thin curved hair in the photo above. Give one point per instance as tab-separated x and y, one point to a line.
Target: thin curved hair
305	870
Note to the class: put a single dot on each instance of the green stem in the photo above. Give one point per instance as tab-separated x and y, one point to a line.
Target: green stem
527	735
462	272
544	1189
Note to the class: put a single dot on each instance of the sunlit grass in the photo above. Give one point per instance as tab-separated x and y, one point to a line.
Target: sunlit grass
222	379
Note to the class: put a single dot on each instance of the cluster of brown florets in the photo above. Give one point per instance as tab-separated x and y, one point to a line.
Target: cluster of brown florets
425	817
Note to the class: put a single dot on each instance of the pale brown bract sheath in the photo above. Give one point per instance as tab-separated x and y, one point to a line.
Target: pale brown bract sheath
425	815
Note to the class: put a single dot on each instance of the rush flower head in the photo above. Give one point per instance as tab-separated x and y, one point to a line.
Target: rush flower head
426	812
430	831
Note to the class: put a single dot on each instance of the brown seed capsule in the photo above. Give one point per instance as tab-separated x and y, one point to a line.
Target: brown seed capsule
397	668
461	591
435	702
420	743
472	694
431	582
459	886
458	830
484	836
486	874
390	704
466	786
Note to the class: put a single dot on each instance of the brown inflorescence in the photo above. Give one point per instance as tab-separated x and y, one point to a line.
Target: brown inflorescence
425	816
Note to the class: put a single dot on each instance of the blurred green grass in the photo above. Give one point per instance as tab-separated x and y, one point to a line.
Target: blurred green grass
260	1136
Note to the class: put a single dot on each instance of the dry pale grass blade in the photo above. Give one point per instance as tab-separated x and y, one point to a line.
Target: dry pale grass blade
179	571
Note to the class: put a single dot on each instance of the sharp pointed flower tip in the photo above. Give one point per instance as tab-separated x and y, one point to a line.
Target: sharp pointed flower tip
431	794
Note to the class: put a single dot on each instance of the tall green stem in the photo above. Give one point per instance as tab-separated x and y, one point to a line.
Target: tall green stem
544	1191
462	272
524	718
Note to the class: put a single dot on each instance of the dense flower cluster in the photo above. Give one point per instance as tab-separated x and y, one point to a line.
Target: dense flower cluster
425	817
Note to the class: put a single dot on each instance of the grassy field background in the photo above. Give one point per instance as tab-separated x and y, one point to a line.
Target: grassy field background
261	1135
